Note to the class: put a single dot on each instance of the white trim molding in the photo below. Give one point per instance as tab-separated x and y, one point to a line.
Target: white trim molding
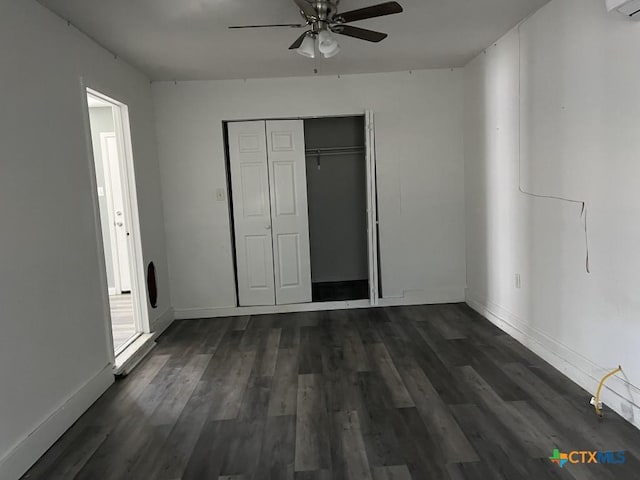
20	458
620	395
409	298
162	322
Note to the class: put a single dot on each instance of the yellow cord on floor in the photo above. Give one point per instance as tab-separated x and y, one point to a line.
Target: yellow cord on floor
604	379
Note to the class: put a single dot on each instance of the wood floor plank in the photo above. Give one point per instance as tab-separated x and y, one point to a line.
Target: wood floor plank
267	354
178	393
500	459
121	397
393	472
312	450
290	337
380	440
382	362
342	392
323	474
71	456
171	460
244	446
349	459
240	323
229	390
521	429
310	352
255	402
450	440
284	386
277	456
492	373
355	355
418	447
210	450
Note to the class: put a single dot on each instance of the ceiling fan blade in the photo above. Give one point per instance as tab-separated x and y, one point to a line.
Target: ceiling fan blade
295	45
361	33
307	8
388	8
290	25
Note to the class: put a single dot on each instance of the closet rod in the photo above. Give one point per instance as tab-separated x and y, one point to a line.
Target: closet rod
334	154
333	151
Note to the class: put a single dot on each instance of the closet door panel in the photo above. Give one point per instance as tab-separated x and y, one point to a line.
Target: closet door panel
251	213
289	213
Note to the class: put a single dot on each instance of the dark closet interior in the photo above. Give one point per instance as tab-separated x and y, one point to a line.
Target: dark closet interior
337	199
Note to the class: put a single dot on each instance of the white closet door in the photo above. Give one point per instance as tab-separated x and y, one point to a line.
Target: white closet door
251	213
115	206
289	214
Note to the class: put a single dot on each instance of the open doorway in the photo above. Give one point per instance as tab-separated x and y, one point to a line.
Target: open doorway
113	173
337	199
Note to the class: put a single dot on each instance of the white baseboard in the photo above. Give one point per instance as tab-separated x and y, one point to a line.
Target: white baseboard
410	298
620	395
215	312
161	323
20	458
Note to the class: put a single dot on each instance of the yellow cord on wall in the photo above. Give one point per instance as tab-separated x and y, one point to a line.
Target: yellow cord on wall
604	379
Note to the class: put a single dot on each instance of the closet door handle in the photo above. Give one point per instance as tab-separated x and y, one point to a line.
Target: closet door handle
268	227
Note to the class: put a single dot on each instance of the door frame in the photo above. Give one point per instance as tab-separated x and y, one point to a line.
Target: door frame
372	214
122	131
372	208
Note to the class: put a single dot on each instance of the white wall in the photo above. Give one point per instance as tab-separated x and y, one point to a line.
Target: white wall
420	175
579	137
53	335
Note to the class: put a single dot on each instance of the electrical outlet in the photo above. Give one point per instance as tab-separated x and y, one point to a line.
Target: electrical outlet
518	283
220	194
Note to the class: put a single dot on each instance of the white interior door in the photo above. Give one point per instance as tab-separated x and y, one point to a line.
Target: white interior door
113	183
251	213
372	213
289	213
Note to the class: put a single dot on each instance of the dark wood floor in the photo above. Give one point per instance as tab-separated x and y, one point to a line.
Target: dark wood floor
340	291
429	392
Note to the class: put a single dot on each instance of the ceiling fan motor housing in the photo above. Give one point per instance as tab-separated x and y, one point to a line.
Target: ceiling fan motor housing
325	9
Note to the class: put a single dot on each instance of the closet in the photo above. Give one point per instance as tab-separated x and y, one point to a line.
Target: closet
337	199
300	192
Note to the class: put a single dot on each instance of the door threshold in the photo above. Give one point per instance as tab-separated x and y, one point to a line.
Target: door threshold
126	344
133	353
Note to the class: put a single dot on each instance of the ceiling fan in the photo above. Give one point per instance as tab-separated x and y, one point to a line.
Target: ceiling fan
323	20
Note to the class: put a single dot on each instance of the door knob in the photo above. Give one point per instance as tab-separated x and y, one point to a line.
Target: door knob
268	227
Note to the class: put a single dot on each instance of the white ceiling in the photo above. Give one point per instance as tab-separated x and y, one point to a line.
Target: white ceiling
188	39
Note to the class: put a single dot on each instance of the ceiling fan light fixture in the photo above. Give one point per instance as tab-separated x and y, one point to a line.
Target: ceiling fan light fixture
327	43
308	47
332	52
